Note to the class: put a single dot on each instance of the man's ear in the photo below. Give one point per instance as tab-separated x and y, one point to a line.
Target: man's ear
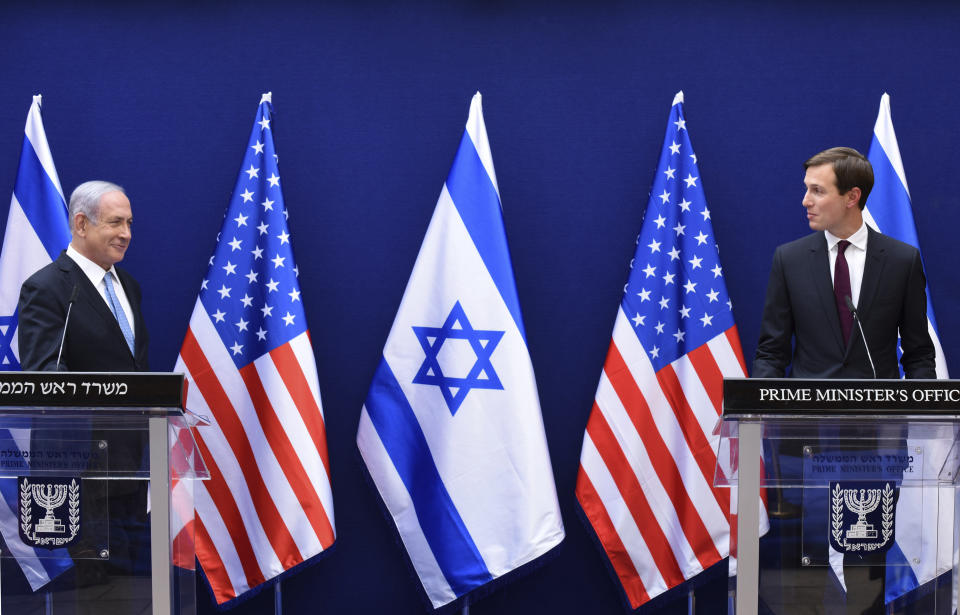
80	223
852	197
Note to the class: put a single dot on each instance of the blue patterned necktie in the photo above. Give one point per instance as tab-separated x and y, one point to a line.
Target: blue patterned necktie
118	312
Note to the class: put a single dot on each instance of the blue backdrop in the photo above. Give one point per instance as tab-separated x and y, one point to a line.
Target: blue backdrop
370	101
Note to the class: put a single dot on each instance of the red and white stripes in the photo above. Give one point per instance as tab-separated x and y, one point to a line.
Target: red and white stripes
268	504
648	462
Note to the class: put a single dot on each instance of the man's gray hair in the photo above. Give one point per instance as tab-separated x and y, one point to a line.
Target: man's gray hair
86	199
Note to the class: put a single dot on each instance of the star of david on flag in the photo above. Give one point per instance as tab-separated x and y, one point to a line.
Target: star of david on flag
481	376
451	430
268	505
8	341
37	230
649	454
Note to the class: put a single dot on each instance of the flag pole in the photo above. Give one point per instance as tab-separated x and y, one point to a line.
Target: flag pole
277	599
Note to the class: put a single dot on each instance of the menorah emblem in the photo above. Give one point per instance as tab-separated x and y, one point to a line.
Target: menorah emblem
862	504
55	495
853	504
49	497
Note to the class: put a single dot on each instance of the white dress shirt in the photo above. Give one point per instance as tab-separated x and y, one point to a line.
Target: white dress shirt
96	274
856	254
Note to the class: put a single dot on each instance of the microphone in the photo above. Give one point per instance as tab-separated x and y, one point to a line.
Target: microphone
66	321
856	318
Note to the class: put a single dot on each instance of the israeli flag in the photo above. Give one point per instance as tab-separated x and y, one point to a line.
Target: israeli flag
37	230
888	208
914	558
451	431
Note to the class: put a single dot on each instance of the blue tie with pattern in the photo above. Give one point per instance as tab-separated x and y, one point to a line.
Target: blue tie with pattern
118	312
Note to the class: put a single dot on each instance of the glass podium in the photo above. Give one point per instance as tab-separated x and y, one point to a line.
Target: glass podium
846	492
97	479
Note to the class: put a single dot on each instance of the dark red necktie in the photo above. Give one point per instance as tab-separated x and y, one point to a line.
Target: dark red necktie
841	290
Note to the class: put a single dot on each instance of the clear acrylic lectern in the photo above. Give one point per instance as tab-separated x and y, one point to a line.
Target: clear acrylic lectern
97	479
858	480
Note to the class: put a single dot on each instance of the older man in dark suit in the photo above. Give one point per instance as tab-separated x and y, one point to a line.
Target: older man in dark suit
106	332
809	324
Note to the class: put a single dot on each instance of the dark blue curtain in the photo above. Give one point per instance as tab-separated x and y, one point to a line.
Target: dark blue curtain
370	101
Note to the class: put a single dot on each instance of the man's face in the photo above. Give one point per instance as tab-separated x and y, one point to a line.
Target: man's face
827	209
106	242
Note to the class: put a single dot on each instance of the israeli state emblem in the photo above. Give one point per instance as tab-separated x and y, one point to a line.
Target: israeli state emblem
49	511
862	516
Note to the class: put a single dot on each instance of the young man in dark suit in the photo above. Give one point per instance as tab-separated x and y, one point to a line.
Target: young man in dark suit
808	325
882	277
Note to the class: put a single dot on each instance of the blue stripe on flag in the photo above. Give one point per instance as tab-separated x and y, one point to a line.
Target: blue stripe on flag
41	202
889	204
398	429
900	576
476	199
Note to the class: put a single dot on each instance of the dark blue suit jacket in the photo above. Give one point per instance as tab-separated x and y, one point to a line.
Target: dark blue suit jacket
94	341
801	326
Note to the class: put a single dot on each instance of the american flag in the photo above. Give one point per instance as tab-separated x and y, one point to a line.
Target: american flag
648	459
247	356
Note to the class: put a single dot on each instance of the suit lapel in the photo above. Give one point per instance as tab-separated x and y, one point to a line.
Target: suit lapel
823	282
872	271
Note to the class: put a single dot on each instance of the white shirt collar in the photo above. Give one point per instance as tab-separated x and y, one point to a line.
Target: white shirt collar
858	239
92	270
